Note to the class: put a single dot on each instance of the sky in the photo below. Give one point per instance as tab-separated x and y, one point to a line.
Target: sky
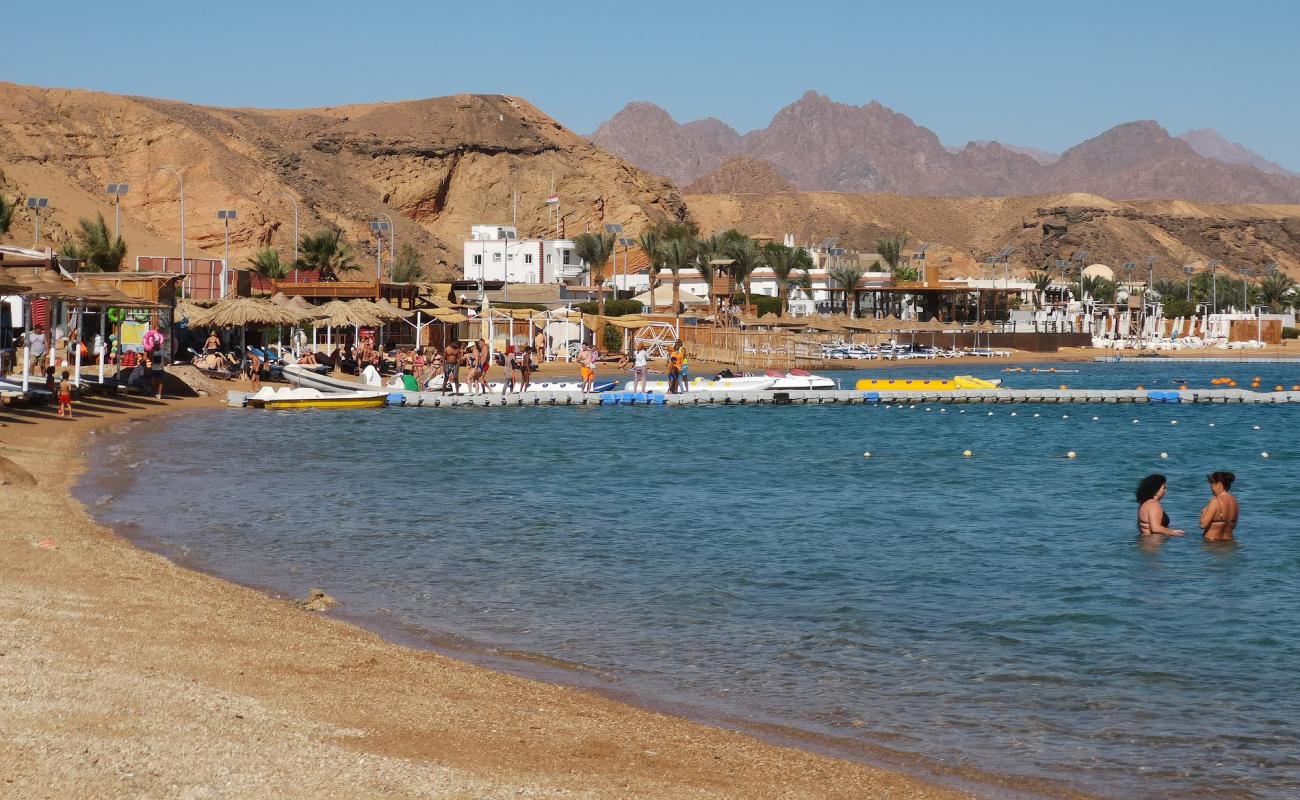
1046	75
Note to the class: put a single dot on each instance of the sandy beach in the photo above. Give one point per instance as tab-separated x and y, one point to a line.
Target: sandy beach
126	675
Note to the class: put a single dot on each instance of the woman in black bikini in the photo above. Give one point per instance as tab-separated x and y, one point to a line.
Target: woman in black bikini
1152	519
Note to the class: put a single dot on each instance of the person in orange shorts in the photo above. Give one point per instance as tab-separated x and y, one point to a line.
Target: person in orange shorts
587	365
65	396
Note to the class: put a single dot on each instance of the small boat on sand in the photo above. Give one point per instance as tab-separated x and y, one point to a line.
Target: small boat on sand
956	383
302	398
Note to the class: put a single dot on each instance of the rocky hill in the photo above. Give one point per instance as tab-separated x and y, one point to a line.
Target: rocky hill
964	231
436	166
740	175
820	145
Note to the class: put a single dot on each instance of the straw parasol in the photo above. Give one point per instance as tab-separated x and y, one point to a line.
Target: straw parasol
45	285
391	310
186	310
240	312
381	311
338	314
11	285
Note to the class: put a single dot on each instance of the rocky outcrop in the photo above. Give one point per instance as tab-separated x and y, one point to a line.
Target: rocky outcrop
436	166
821	145
740	175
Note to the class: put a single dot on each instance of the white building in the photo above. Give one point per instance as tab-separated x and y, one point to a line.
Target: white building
496	253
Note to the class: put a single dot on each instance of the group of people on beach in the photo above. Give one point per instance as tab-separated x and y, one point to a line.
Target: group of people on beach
1218	520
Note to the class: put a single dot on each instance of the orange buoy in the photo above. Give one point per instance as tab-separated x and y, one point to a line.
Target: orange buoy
1296	388
1064	387
1277	388
1233	384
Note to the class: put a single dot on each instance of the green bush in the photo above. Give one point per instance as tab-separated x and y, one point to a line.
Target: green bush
613	339
1291	333
764	303
1179	307
613	308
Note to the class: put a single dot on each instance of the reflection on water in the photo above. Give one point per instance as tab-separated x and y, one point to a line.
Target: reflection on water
996	611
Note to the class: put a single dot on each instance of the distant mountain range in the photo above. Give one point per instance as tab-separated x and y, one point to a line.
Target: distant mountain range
817	144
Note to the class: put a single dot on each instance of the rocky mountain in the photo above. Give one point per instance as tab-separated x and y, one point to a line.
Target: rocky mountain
740	175
817	144
1211	144
965	230
681	152
1041	156
436	166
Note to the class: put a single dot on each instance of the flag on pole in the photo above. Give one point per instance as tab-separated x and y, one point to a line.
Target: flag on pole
553	200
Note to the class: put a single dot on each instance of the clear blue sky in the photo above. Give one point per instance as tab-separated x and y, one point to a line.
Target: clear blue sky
1033	73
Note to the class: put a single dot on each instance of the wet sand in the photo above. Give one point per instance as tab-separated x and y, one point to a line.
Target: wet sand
123	674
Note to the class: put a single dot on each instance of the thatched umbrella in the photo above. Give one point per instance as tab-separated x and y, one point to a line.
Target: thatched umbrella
391	310
240	312
338	314
11	285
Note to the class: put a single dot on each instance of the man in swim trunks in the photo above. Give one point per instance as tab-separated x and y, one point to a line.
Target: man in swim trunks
675	357
587	366
451	368
483	356
1219	517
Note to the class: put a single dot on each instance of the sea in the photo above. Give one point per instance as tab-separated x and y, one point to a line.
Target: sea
989	621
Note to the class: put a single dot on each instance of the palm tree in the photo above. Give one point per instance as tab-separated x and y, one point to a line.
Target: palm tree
746	257
96	247
1099	289
327	253
1168	289
1042	282
847	275
595	249
784	262
6	214
649	243
1274	290
890	248
266	262
677	255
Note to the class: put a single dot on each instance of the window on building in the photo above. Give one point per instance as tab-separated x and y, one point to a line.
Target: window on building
510	257
566	257
478	259
496	258
548	258
528	258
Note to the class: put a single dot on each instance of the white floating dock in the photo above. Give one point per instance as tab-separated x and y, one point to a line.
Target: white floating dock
829	397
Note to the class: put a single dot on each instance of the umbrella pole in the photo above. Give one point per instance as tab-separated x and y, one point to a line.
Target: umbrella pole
77	346
103	345
27	343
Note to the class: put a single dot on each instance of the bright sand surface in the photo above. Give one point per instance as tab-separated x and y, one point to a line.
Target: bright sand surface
123	674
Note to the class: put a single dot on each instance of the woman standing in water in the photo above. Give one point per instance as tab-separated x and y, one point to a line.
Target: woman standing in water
1152	519
1219	517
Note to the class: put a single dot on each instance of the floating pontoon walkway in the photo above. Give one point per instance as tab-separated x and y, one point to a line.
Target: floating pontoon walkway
1180	360
831	397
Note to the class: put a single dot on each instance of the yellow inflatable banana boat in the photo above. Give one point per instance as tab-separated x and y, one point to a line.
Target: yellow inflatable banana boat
956	383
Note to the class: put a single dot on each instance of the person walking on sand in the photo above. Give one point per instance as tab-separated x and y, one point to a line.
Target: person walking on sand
36	345
1219	517
1152	519
65	396
254	369
639	368
539	345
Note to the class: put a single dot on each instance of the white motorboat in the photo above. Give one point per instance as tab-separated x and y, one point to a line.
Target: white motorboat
748	383
798	380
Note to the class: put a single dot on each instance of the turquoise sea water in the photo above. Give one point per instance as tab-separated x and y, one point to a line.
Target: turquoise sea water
749	564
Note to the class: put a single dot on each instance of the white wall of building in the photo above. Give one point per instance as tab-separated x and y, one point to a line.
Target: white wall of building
495	253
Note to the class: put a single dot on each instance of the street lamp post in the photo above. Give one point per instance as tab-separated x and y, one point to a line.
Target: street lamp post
118	191
180	177
615	230
36	204
1188	270
225	215
1214	285
392	242
1246	272
379	228
627	245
